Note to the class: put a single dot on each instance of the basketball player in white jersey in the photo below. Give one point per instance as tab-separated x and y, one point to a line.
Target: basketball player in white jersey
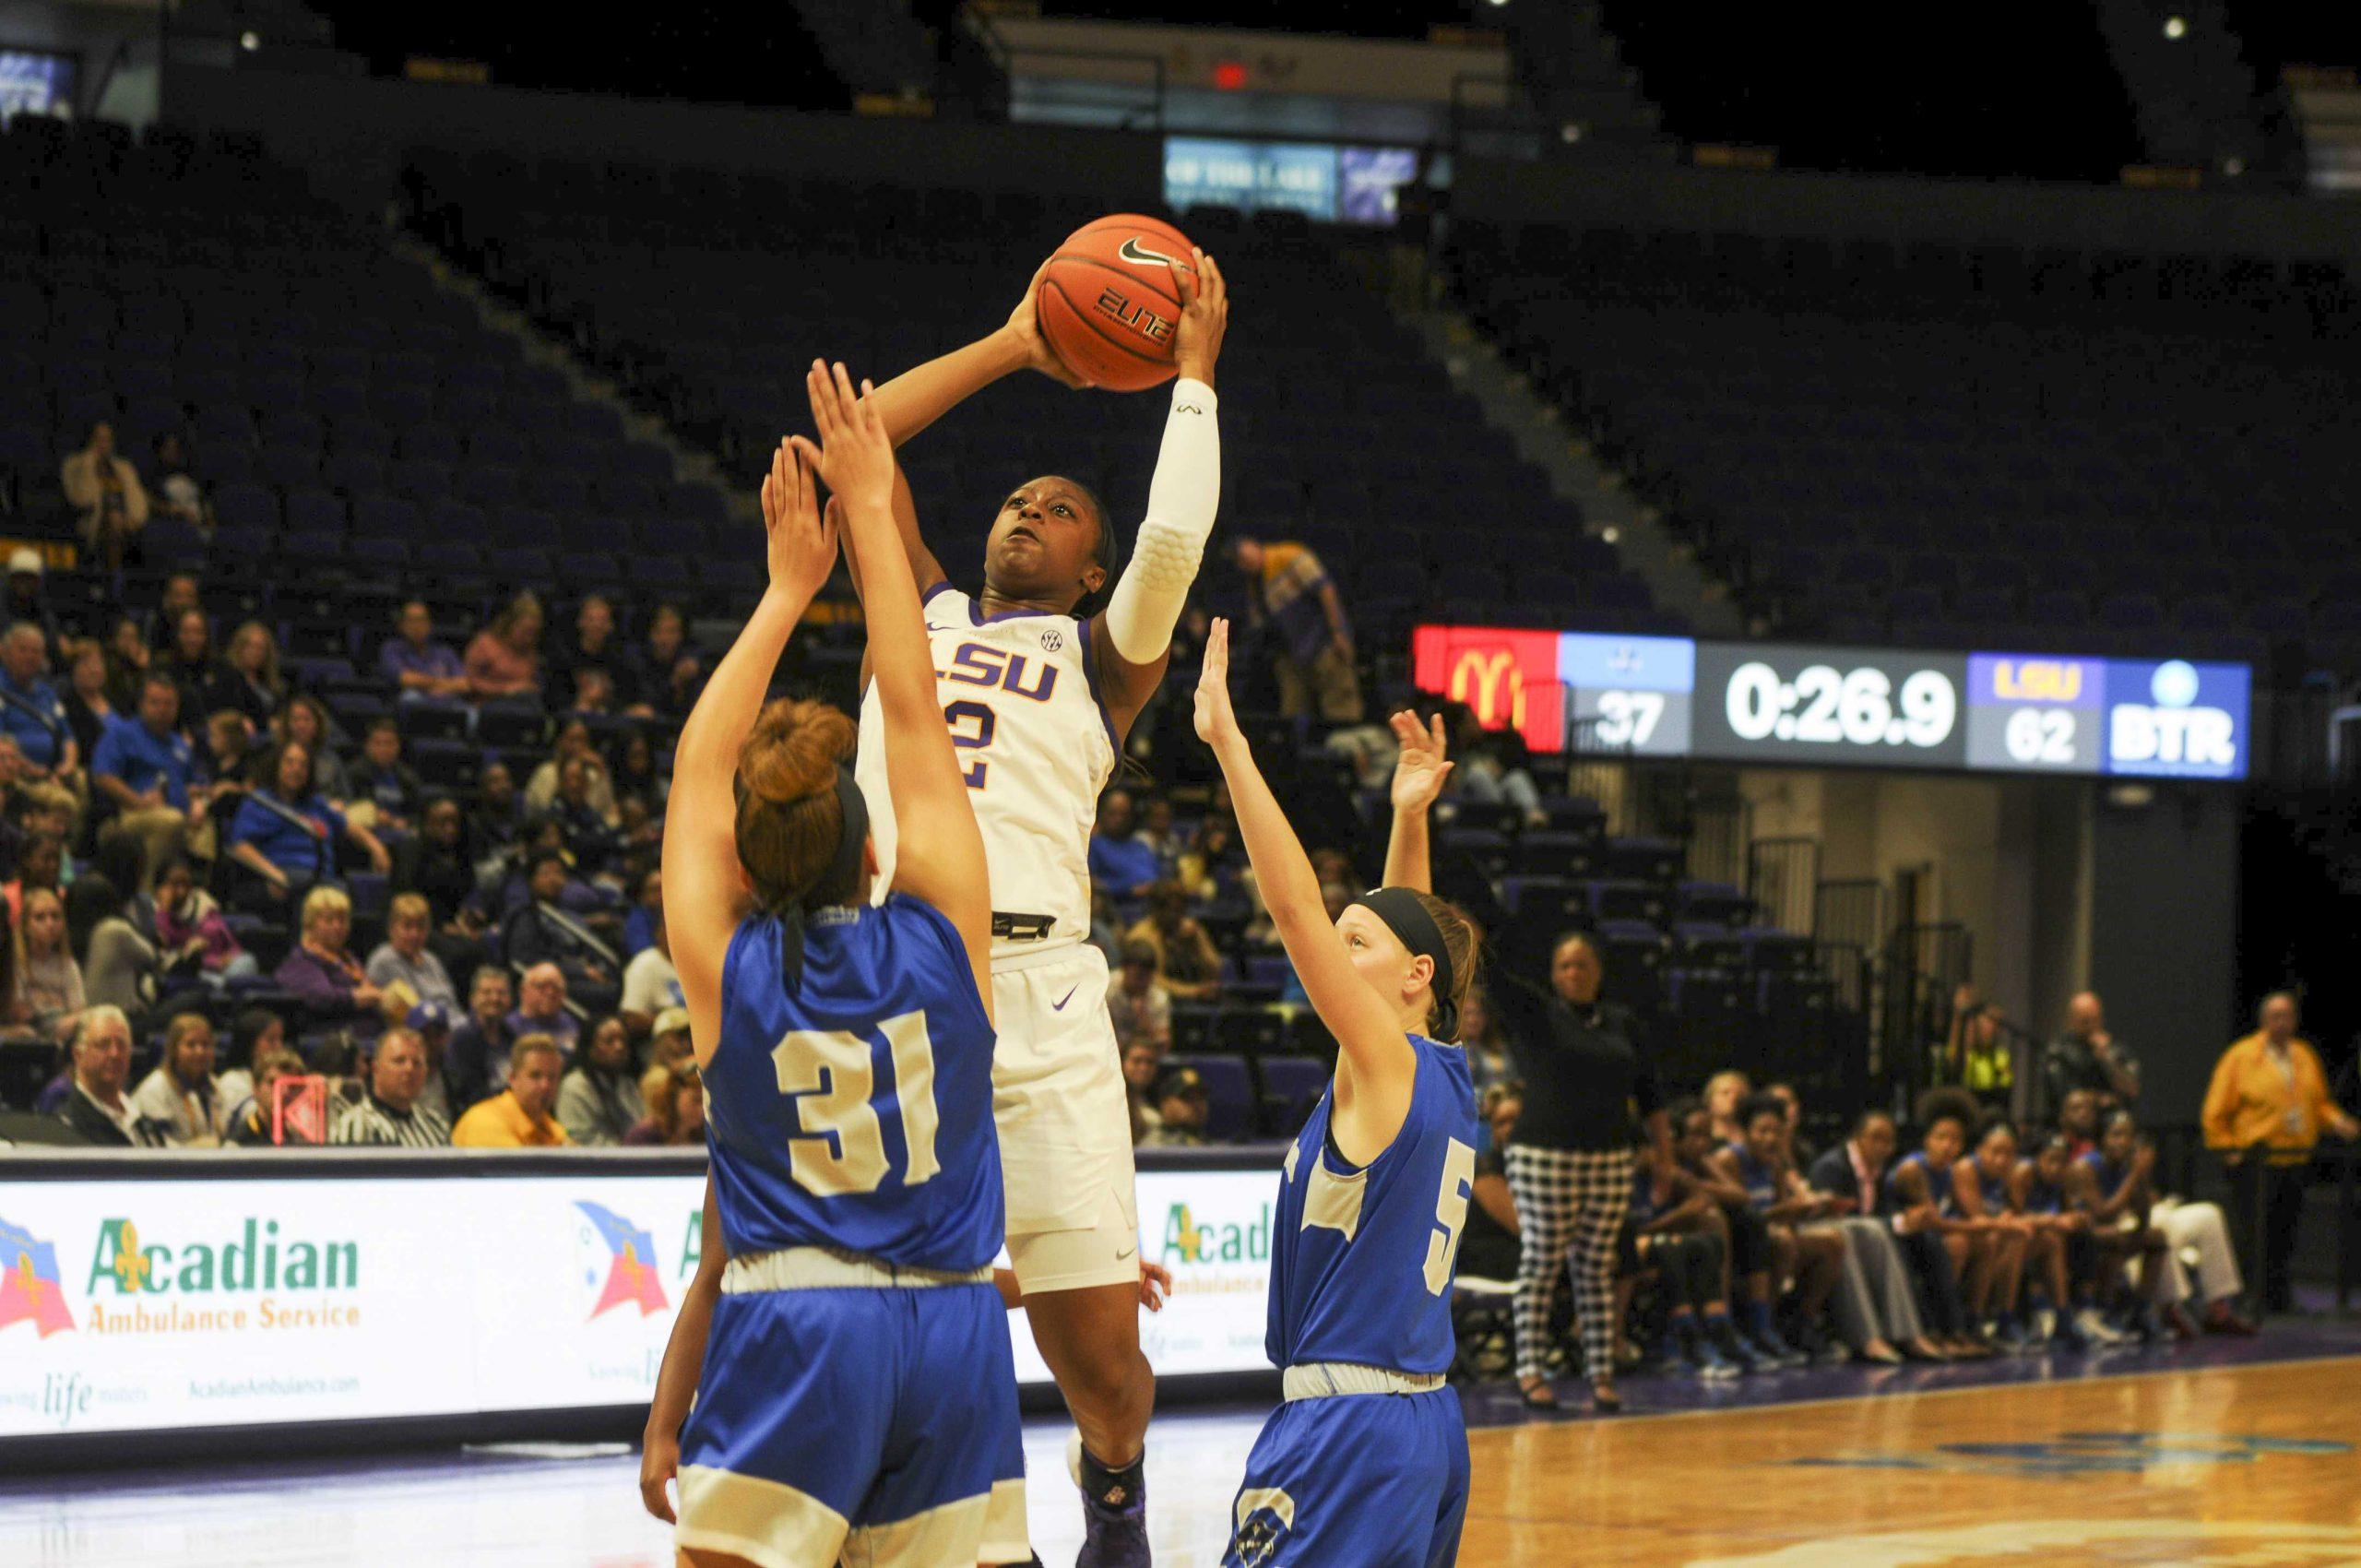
1041	675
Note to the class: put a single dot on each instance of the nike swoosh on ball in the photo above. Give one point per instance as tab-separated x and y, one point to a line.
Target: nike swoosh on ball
1139	254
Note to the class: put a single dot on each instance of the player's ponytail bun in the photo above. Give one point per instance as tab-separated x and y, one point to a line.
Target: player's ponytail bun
790	818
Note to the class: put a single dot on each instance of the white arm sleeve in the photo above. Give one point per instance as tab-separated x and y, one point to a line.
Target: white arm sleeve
1146	602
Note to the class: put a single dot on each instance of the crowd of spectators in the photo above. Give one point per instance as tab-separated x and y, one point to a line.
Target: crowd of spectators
191	842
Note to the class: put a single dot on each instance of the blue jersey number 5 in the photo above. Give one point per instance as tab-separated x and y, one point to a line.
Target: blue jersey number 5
971	730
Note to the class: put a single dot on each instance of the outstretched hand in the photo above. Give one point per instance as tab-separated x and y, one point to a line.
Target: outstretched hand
1025	325
854	457
1420	769
1217	721
801	544
1204	315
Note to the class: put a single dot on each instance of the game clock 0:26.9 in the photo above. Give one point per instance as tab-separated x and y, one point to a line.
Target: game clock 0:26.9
1755	702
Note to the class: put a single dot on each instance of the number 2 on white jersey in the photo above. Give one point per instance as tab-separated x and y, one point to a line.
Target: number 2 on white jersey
1451	1216
844	1149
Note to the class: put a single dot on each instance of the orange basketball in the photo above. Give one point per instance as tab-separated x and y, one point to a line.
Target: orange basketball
1107	305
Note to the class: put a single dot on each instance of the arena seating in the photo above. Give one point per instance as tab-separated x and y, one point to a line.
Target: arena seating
1945	447
707	294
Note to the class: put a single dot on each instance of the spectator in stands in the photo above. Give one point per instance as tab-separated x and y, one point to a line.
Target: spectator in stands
647	912
1213	867
89	706
49	983
145	770
593	693
1495	766
120	965
498	819
41	863
182	593
593	647
432	1022
25	597
1143	1065
180	1098
386	793
2085	1056
417	664
504	658
1186	960
1486	1040
391	1115
589	838
519	1116
1977	1057
285	834
1158	832
1180	1108
574	743
189	931
248	681
1857	1169
1491	1215
668	1043
651	985
256	1124
1141	1008
674	1095
321	968
2264	1113
669	669
254	1034
476	1059
1120	861
305	721
1311	642
2128	1212
179	493
403	964
32	715
128	660
110	503
540	932
98	1109
188	660
1589	1094
434	861
542	1009
635	775
231	757
598	1103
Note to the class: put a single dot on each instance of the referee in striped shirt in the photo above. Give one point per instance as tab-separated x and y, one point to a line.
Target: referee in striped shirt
389	1115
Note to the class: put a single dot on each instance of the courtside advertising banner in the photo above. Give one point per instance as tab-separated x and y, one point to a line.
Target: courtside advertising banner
157	1305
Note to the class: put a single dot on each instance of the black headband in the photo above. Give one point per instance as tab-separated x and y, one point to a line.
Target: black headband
1405	914
843	871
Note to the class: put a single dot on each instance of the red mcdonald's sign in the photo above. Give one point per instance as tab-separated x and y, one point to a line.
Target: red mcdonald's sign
1507	678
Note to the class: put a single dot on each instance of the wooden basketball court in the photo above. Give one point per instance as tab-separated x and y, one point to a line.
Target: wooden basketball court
2252	1466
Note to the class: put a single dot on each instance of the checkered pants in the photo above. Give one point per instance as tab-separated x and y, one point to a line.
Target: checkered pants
1570	1204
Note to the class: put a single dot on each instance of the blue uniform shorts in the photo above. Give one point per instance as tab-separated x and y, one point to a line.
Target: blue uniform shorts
878	1426
1357	1480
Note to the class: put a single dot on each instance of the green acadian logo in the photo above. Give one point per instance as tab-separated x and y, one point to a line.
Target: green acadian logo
258	1262
1191	1243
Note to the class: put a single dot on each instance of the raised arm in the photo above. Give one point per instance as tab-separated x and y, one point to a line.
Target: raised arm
1376	1068
705	888
919	397
1420	770
939	847
1182	500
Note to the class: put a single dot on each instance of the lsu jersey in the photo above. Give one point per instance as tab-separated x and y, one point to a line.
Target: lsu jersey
855	1112
1020	695
1362	1263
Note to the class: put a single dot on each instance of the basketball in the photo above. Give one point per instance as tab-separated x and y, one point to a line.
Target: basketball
1107	305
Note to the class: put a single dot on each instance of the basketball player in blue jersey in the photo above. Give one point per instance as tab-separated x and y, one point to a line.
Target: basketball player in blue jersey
1039	678
1366	1464
858	1397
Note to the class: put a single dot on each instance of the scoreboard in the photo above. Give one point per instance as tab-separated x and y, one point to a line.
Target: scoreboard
1798	703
